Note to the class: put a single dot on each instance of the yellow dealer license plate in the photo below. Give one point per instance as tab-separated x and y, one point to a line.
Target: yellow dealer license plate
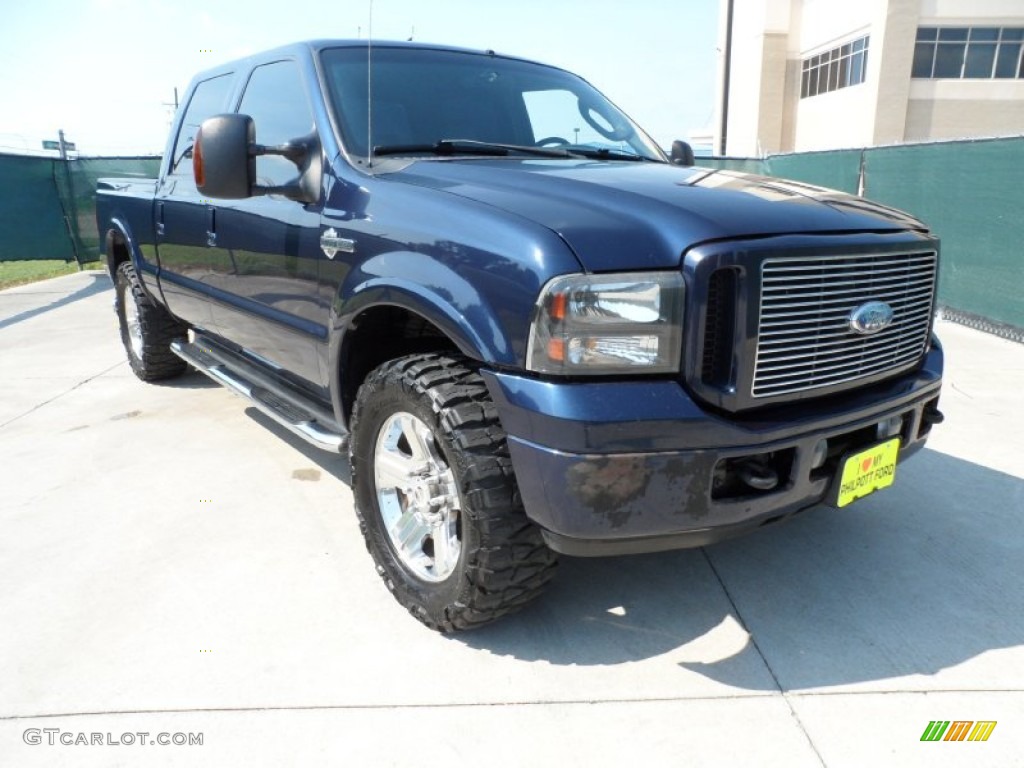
868	471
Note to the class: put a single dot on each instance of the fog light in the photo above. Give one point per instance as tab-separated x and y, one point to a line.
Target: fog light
891	427
820	454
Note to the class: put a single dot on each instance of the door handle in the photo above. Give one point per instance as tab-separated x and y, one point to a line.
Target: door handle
160	218
211	228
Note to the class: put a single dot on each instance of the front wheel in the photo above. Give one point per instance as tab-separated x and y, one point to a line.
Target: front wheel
436	496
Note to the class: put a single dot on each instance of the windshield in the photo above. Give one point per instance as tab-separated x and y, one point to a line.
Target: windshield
423	98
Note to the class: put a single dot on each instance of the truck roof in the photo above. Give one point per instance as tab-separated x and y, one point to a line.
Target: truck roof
311	47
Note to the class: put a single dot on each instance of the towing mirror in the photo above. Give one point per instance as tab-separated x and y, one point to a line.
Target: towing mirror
221	161
682	153
224	161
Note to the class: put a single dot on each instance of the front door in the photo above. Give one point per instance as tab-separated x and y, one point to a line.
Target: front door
265	259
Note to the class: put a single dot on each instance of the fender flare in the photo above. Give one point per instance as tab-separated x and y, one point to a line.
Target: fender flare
425	287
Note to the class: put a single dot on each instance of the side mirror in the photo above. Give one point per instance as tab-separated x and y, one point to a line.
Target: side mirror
682	153
224	161
222	164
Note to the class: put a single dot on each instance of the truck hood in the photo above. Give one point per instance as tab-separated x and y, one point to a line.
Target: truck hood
631	215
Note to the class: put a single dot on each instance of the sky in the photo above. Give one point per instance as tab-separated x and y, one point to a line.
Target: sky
105	70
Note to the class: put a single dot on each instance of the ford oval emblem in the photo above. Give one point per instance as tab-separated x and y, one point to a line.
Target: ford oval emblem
871	318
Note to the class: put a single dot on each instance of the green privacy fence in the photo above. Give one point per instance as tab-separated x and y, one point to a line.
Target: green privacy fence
970	192
48	208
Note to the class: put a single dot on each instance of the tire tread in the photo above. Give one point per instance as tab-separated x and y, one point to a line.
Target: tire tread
511	566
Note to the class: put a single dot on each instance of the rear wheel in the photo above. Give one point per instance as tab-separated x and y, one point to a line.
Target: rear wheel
147	329
436	497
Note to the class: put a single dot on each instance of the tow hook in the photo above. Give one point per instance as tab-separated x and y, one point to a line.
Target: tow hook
932	415
758	476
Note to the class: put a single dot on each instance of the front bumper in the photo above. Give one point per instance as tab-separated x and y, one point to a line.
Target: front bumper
626	467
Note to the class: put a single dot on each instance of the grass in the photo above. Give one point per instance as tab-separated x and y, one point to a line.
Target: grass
14	273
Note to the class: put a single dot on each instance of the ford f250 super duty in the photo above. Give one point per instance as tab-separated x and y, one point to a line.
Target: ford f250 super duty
531	330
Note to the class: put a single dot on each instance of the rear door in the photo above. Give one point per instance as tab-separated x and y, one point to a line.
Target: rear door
182	216
264	263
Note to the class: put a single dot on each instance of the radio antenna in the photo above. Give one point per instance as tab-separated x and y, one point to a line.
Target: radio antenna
369	90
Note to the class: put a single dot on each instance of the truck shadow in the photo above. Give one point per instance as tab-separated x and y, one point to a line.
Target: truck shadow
99	282
918	579
336	465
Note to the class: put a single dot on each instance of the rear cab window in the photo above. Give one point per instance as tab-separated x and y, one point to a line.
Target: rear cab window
208	99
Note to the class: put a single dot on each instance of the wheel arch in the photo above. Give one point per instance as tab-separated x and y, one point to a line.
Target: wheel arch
382	331
401	302
119	246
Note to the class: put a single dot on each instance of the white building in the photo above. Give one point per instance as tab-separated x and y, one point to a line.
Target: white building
825	74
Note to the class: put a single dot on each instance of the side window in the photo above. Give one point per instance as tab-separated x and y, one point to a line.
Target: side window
275	98
207	100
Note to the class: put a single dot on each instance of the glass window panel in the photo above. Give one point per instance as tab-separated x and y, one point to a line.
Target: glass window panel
804	82
953	33
927	33
924	55
857	69
949	59
275	99
207	100
844	72
1006	62
847	49
834	54
984	33
858	45
1013	33
833	75
980	58
813	86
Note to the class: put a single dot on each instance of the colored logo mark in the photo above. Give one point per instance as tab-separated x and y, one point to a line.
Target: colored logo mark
958	730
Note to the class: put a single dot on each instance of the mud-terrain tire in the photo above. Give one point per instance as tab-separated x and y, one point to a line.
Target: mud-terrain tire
452	543
147	329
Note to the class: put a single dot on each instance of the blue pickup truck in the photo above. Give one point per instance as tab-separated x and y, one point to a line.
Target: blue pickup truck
531	330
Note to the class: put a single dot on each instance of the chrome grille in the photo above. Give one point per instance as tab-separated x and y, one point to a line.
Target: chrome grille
805	341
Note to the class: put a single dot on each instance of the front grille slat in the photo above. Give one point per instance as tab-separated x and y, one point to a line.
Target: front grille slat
777	354
843	302
804	265
804	337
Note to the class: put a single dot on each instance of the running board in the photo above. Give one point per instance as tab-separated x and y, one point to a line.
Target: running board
300	420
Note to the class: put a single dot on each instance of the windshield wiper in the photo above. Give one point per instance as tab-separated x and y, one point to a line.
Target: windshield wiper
607	153
448	147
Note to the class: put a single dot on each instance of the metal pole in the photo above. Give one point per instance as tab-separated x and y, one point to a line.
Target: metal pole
72	206
726	78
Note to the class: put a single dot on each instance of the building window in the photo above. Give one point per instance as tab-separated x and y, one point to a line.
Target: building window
841	67
969	53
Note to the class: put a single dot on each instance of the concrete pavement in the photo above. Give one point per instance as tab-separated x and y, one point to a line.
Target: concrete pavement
174	562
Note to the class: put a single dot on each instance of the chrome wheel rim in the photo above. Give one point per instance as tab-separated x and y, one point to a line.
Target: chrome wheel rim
131	319
417	497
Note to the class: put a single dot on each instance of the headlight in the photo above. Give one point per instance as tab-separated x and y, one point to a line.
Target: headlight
608	324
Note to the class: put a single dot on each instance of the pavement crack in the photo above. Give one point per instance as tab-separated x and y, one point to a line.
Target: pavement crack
468	704
43	404
764	659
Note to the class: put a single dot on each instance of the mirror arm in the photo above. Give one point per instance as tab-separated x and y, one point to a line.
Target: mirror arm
294	151
298	152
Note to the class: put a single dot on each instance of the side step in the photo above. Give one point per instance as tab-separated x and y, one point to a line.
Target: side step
288	409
